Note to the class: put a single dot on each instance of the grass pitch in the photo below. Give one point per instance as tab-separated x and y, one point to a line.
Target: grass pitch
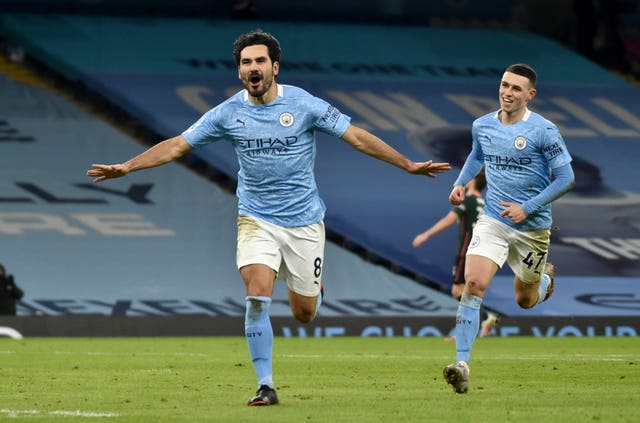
319	380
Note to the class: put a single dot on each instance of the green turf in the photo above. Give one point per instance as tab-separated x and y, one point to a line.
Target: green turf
332	380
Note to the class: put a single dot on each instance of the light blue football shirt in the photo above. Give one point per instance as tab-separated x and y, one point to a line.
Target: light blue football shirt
518	160
276	149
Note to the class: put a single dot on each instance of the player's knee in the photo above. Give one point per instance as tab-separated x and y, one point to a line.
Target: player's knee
303	314
303	311
525	301
303	307
473	286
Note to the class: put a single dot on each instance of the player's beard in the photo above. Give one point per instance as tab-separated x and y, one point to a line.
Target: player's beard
266	81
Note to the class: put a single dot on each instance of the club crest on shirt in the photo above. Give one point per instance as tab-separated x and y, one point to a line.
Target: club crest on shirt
520	143
286	119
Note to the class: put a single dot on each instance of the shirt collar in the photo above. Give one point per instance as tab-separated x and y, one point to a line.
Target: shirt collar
525	117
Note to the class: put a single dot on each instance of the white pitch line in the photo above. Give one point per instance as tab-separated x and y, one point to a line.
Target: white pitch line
79	413
136	353
584	357
577	357
65	413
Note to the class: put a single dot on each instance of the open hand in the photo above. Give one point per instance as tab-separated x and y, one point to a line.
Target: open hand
101	172
429	168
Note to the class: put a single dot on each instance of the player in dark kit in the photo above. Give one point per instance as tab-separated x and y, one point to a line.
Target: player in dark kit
466	214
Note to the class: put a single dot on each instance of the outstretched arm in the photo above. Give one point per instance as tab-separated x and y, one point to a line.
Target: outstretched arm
368	143
447	221
159	154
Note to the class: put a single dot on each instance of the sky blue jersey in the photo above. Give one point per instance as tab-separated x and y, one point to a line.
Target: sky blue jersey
518	161
276	149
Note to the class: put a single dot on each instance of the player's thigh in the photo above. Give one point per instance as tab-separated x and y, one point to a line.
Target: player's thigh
258	256
480	270
258	279
303	259
528	255
490	241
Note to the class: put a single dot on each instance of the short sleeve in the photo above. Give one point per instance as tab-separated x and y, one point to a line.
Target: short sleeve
205	130
330	120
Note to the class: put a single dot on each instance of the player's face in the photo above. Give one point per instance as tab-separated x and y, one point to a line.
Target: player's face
257	73
515	92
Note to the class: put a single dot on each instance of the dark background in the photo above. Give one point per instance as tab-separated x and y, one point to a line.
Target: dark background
605	31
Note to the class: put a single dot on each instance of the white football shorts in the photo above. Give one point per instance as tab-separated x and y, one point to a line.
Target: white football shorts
296	254
525	251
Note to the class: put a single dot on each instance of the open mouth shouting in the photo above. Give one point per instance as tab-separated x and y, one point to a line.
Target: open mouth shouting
254	81
258	84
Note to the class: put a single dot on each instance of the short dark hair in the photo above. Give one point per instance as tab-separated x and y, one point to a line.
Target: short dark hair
257	37
524	70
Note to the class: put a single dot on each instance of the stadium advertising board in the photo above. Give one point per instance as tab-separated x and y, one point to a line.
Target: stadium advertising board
322	327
